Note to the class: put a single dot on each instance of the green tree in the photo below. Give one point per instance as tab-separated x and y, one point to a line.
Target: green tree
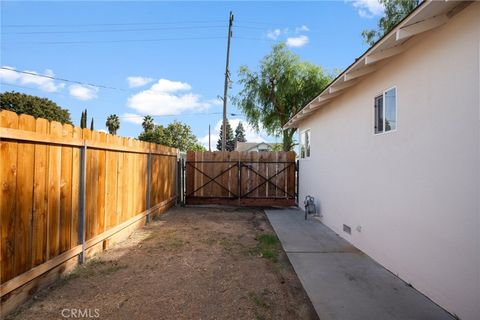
35	106
83	119
230	143
278	90
113	123
395	11
91	125
240	133
176	134
148	124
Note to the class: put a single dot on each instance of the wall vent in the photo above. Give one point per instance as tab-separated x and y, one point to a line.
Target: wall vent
347	229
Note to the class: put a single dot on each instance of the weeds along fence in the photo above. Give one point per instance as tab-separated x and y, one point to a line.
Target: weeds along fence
66	192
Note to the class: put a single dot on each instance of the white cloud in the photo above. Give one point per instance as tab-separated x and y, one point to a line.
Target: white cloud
303	28
138	81
165	97
42	83
132	118
274	34
293	39
250	134
368	8
164	85
83	92
297	42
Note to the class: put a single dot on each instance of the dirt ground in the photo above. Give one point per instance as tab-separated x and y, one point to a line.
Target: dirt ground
192	263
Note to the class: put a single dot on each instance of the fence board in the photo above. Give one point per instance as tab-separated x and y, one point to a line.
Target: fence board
66	192
291	179
111	185
101	192
39	200
77	134
8	181
54	176
24	195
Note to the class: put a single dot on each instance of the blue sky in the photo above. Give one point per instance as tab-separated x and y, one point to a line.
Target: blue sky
166	58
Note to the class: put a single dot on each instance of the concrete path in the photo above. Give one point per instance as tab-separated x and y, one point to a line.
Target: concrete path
341	281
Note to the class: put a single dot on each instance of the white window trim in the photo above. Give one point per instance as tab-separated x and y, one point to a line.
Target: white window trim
383	110
300	151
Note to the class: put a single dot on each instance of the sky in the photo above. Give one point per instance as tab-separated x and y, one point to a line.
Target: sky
166	59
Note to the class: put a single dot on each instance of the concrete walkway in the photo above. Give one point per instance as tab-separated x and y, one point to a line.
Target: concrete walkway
341	281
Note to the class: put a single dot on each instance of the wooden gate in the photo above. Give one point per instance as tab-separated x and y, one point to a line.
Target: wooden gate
241	178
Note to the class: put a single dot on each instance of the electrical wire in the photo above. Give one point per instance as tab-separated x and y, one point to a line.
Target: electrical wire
119	41
107	24
115	30
64	80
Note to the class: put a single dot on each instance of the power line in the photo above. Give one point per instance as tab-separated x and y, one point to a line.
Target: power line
107	24
24	87
119	41
64	80
115	30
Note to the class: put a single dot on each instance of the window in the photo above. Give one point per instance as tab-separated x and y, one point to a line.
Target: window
386	111
305	144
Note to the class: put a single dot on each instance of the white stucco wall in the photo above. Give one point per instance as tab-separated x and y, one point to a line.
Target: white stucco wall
414	192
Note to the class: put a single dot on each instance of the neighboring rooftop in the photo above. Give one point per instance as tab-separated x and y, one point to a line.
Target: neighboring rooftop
254	146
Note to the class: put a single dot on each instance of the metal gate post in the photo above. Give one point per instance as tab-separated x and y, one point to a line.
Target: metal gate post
297	187
82	200
183	170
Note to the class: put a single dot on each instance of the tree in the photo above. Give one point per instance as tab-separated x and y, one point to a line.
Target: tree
230	143
91	125
283	85
35	106
148	124
83	119
240	133
176	134
395	11
113	123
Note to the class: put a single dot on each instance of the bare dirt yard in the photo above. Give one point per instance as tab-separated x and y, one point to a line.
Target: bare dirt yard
192	263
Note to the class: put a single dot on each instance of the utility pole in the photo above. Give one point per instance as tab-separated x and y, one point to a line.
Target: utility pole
227	80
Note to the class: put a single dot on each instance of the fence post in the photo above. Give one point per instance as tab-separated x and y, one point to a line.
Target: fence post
183	180
82	200
177	181
149	182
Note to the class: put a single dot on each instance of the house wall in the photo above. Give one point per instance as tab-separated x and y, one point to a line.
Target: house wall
411	197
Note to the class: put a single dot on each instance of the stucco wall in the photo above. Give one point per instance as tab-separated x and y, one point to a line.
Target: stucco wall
414	192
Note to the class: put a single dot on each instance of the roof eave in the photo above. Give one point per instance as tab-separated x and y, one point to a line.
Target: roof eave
391	44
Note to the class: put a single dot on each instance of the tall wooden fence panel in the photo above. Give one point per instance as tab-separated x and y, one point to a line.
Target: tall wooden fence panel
67	190
241	178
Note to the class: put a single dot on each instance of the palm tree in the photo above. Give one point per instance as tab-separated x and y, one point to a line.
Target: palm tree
113	123
148	124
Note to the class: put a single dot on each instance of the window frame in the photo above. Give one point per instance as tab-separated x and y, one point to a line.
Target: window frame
302	133
382	93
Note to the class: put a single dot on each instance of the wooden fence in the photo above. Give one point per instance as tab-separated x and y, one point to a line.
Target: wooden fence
241	178
65	191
